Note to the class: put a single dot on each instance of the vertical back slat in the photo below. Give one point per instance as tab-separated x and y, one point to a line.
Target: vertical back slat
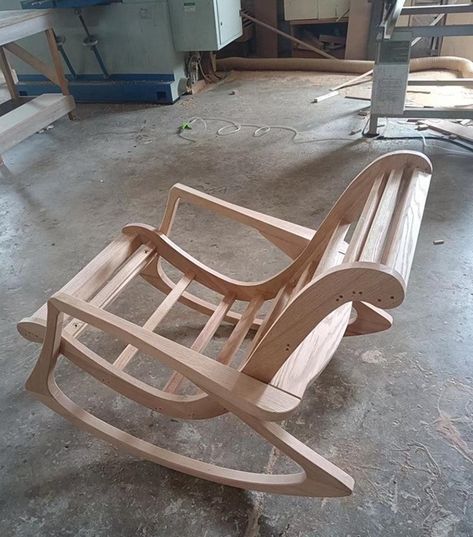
402	237
333	254
374	244
364	222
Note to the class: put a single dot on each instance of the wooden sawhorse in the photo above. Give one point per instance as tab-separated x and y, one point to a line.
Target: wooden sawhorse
41	111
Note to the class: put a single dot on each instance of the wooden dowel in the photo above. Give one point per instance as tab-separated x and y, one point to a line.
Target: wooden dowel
404	231
352	81
303	279
288	36
278	304
332	255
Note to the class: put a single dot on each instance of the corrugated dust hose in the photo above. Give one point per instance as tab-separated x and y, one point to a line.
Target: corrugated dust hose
451	63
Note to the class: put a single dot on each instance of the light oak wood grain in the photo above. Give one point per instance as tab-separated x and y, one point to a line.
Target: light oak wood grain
8	75
31	117
359	258
38	65
22	122
17	24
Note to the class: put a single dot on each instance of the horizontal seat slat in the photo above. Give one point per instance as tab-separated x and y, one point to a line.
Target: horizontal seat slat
240	331
96	273
232	344
152	323
203	339
129	270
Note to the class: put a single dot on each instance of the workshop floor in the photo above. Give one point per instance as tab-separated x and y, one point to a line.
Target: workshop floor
394	410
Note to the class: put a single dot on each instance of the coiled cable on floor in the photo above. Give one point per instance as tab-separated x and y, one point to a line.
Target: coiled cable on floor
233	127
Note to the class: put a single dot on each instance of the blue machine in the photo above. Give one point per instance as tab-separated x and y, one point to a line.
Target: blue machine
128	50
113	51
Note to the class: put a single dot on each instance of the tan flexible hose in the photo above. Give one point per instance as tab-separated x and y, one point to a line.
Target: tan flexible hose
450	63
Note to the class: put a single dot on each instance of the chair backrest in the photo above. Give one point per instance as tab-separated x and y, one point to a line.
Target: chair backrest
362	251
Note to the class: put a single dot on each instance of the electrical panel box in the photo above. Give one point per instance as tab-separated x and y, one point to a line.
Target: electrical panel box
315	9
204	25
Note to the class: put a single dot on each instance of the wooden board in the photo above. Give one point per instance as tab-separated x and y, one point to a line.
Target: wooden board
358	30
32	117
458	46
266	40
448	127
16	24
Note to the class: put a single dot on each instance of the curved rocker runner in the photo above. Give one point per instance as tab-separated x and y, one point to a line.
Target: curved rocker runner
358	260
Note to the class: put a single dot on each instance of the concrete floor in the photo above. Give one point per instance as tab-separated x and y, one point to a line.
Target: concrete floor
394	410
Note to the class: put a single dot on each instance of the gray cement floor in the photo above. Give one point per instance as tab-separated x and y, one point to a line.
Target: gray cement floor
394	410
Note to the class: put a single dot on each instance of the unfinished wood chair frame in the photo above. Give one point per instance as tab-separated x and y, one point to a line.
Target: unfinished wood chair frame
310	312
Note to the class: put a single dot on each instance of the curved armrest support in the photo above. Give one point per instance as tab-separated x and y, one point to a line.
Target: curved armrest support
290	238
221	382
203	274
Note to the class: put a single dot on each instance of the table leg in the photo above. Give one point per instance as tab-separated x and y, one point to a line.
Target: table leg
7	73
54	51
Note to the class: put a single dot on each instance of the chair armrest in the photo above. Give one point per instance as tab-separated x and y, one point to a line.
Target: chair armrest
200	272
225	384
289	237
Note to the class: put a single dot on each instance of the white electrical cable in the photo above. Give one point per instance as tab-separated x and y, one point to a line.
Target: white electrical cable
233	127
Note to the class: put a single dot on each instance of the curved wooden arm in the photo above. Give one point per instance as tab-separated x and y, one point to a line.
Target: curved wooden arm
223	383
180	259
290	238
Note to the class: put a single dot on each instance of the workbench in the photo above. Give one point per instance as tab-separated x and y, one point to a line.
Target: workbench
34	115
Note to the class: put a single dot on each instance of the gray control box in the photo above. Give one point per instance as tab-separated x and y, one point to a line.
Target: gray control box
203	25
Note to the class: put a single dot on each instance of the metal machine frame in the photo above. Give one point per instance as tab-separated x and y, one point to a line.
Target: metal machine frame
391	71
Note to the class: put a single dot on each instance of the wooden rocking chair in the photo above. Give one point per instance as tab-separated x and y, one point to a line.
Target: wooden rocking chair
360	257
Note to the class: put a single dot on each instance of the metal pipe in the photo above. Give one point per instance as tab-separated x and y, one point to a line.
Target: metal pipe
67	61
433	10
60	40
91	42
442	31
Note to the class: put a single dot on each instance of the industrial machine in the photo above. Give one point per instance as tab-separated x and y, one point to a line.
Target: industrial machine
391	70
129	50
